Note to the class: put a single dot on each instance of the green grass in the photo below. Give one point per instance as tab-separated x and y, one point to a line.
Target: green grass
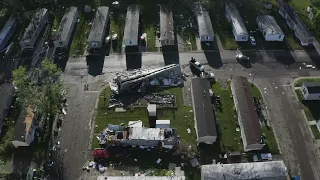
311	108
271	143
315	131
117	27
189	41
151	38
299	82
181	118
80	38
56	22
230	139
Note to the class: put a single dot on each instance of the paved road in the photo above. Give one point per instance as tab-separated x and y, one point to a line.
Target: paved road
295	143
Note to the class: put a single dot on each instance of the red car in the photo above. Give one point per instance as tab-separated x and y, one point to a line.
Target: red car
100	153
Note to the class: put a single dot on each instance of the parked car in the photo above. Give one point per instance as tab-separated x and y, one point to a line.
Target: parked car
196	64
241	57
262	157
252	41
209	76
100	153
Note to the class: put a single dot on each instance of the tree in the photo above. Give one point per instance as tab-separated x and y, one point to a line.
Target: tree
42	88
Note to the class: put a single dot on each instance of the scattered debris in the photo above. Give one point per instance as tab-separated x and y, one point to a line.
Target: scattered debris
237	129
158	161
135	160
194	162
65	150
189	130
120	109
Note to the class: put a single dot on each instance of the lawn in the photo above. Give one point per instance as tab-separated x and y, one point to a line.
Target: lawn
80	38
299	82
315	131
230	139
271	143
311	108
151	38
181	118
117	23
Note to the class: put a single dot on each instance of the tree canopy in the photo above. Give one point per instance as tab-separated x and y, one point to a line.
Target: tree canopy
42	88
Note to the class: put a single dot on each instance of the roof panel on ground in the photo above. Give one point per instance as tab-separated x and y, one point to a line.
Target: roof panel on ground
166	24
203	111
99	24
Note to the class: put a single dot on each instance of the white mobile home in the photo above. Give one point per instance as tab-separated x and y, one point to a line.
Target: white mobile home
296	24
310	90
131	29
98	28
239	30
269	28
68	22
7	32
204	24
33	30
166	26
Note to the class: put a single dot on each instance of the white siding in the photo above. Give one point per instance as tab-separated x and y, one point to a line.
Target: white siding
207	139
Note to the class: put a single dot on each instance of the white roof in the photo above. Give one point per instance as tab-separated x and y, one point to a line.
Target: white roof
269	24
152	107
135	123
244	171
162	121
236	19
141	178
146	133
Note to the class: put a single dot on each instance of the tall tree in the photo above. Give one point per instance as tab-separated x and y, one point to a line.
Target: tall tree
42	89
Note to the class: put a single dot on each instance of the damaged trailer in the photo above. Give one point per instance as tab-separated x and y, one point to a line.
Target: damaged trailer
139	80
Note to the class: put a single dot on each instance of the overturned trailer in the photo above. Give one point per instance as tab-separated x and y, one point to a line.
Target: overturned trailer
138	80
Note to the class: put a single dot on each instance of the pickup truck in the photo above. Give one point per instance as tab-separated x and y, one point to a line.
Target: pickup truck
196	64
206	75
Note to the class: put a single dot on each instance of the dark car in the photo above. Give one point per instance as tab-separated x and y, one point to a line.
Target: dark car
241	57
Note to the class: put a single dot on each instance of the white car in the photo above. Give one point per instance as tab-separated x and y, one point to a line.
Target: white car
252	41
196	64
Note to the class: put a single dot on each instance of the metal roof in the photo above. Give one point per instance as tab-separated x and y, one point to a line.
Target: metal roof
269	24
250	125
6	94
141	178
66	23
236	19
132	22
8	27
23	124
244	171
166	24
99	24
204	22
34	24
203	111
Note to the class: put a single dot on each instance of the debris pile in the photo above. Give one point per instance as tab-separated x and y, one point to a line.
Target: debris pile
139	80
162	100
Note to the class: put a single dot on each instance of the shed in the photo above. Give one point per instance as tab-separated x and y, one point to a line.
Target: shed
67	25
310	90
98	28
273	170
34	29
269	28
131	29
239	30
6	97
204	24
7	32
166	26
248	119
162	124
135	123
152	110
205	122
